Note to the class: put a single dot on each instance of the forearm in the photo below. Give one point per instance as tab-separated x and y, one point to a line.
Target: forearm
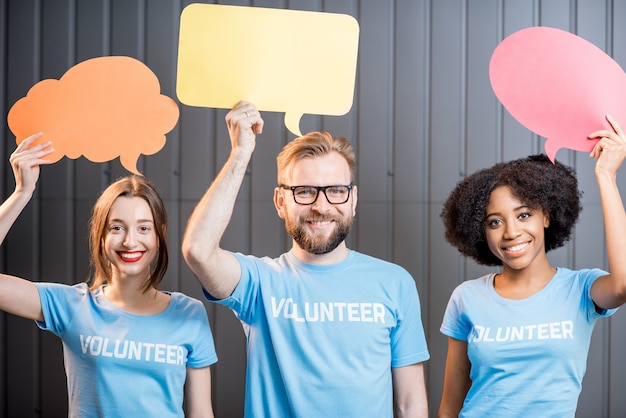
417	409
10	210
207	224
615	222
612	293
198	402
456	382
409	387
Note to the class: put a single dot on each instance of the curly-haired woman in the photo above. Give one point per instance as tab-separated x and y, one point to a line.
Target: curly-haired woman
518	340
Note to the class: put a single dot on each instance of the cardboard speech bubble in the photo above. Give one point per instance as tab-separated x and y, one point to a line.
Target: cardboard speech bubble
101	108
558	85
281	60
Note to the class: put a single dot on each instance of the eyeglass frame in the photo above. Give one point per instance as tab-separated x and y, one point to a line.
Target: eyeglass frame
318	190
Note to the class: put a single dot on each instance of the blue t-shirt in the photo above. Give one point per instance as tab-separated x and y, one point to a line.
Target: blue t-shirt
120	364
322	339
528	357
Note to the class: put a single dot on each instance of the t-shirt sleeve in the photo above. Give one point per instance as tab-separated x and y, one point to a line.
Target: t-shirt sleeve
408	340
57	302
203	351
244	297
453	324
588	278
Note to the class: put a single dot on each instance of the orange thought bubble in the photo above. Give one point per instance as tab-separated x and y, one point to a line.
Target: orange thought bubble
101	108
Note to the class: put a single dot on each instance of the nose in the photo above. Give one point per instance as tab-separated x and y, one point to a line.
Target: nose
511	230
130	239
321	204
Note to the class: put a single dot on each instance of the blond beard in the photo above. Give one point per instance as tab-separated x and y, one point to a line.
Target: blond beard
318	245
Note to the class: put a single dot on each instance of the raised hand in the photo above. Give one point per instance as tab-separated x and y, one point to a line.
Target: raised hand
244	123
25	161
610	151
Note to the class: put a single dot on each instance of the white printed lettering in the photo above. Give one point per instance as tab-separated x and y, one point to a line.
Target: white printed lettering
545	331
327	311
98	346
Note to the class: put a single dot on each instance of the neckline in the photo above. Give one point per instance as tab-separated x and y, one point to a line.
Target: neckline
100	295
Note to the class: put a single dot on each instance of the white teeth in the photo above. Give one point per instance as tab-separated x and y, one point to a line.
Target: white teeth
320	223
130	256
517	248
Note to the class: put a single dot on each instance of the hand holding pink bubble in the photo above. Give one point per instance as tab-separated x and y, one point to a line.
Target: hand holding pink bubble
558	85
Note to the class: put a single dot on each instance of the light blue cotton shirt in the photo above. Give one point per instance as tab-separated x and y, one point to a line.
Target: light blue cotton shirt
120	364
528	357
322	339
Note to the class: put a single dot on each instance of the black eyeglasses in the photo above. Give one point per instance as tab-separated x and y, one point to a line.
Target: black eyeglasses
307	195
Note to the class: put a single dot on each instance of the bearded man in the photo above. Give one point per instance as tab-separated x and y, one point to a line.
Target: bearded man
330	331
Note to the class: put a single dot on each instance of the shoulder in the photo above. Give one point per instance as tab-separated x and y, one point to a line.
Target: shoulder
248	261
77	290
183	301
582	275
368	261
477	285
391	274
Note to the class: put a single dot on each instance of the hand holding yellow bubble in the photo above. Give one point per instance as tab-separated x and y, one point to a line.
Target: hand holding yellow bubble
101	108
281	60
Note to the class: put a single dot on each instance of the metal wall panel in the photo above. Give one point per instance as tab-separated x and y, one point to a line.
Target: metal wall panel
423	117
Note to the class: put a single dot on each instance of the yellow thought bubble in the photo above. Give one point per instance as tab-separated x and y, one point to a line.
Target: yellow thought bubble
281	60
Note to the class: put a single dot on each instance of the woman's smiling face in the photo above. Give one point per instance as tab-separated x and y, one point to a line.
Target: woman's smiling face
131	242
514	231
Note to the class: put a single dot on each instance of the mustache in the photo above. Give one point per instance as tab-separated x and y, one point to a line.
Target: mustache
320	218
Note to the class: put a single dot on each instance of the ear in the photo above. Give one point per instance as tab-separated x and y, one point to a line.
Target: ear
164	227
355	198
279	202
546	220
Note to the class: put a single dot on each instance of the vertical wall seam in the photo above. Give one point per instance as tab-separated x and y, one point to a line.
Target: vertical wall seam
36	234
608	370
499	119
106	50
391	138
426	152
463	140
3	189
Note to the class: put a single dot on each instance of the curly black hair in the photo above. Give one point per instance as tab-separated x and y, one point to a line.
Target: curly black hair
534	180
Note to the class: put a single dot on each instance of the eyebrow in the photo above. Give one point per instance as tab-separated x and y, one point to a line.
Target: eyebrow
141	221
521	207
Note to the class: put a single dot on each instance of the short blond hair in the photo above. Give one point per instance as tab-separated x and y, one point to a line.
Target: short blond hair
314	144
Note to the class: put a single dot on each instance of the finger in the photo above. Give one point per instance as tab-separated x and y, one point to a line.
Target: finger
618	129
601	133
43	152
37	151
258	126
34	153
25	143
596	151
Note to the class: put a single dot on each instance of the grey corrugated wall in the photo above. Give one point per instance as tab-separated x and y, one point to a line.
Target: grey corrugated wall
424	115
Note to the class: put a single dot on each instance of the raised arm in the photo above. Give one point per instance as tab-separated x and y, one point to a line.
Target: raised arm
610	291
218	270
19	296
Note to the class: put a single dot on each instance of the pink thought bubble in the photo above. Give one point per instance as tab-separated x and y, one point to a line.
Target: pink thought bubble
558	85
101	108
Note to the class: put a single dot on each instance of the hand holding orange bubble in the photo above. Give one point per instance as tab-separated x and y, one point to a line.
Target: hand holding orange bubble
101	108
288	61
